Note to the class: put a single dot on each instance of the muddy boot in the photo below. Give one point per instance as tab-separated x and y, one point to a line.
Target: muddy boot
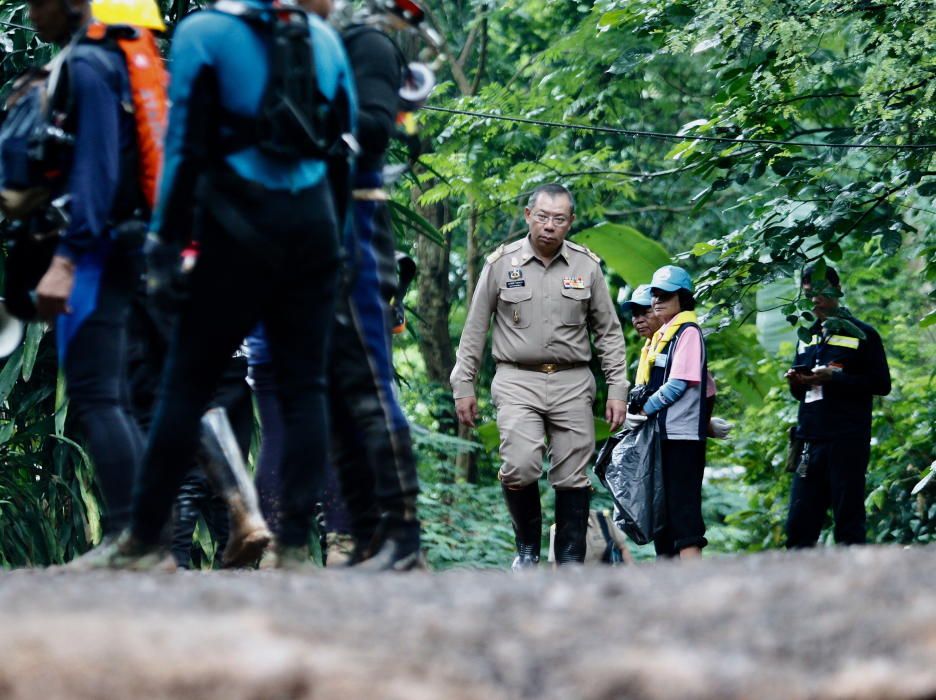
571	525
297	559
527	519
224	465
340	549
396	548
249	534
124	552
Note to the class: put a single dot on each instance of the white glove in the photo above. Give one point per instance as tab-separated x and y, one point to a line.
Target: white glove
634	421
719	428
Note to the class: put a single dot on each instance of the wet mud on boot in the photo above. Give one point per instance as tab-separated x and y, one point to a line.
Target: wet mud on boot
527	519
297	559
249	535
126	553
339	548
398	548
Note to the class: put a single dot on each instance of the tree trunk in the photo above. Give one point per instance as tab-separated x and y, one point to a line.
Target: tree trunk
434	294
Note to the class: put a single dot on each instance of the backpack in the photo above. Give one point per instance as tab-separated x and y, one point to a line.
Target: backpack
35	146
149	84
25	181
295	120
604	542
35	138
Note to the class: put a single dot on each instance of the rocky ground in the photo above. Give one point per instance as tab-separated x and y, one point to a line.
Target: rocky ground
857	623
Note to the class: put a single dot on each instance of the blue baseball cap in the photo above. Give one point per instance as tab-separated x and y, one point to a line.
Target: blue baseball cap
640	297
670	278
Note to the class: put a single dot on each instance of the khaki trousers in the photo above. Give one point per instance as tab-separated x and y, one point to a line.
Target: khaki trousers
533	407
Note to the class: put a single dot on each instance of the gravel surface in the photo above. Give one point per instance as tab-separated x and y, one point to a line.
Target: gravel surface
858	623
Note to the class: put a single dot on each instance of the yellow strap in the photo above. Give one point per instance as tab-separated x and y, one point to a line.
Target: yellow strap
655	346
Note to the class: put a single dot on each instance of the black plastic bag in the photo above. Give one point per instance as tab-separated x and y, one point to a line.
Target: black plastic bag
634	476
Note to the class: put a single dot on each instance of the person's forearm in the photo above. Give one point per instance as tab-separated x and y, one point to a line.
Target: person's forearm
666	395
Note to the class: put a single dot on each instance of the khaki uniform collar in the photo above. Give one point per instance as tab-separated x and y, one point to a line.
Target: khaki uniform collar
527	253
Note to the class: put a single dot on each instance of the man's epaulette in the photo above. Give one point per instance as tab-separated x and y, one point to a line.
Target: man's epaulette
495	256
583	249
504	248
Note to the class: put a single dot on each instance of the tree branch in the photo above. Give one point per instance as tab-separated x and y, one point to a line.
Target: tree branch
457	73
482	59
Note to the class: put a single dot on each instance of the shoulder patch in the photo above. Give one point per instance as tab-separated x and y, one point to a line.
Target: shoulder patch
582	249
504	248
496	255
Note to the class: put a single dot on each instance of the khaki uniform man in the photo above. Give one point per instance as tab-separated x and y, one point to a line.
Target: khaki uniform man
545	294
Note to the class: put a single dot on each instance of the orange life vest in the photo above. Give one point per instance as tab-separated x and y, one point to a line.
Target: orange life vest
149	82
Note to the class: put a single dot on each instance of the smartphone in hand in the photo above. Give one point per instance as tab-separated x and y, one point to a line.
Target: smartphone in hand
802	369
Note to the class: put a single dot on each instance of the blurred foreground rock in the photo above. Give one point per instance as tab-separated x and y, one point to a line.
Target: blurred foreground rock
857	623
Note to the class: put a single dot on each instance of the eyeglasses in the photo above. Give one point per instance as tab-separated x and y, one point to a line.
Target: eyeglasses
541	218
660	295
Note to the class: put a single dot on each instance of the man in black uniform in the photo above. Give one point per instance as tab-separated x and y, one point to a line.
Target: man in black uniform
834	377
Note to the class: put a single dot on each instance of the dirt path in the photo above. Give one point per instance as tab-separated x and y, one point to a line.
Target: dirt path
828	624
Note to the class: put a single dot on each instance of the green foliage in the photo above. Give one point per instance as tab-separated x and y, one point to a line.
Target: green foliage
739	216
748	216
48	507
628	252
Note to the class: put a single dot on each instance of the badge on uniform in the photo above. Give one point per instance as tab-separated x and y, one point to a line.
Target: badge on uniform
515	274
813	393
573	283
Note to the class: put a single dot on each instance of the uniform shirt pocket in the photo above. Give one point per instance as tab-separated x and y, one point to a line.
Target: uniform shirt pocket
515	306
574	306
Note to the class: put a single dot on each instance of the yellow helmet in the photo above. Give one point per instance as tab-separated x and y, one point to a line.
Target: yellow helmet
138	13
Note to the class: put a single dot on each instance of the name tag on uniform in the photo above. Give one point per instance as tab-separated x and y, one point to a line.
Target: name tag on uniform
814	393
516	283
660	361
573	283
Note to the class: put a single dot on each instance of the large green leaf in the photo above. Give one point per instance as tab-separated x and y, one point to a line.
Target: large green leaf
772	326
626	251
61	404
409	218
34	333
10	373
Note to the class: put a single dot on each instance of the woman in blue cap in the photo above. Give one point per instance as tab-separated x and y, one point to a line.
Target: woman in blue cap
674	367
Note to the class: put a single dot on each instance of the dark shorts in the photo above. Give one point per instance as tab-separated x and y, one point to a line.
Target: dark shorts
683	466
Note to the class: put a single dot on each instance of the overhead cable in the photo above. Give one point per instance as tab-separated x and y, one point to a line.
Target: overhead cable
677	137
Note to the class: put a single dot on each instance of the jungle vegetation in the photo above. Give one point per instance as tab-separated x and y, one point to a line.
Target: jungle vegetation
823	119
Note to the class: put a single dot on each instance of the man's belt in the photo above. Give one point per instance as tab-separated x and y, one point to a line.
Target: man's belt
547	368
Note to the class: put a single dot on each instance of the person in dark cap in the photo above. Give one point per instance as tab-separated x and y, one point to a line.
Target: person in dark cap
835	376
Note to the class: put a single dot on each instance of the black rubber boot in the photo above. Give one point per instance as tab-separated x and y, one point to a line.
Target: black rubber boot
188	504
527	519
396	547
571	525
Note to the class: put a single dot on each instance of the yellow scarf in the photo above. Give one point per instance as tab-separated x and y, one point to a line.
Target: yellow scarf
654	346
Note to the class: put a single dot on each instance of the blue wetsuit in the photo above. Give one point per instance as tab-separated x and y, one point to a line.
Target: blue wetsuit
372	447
218	65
